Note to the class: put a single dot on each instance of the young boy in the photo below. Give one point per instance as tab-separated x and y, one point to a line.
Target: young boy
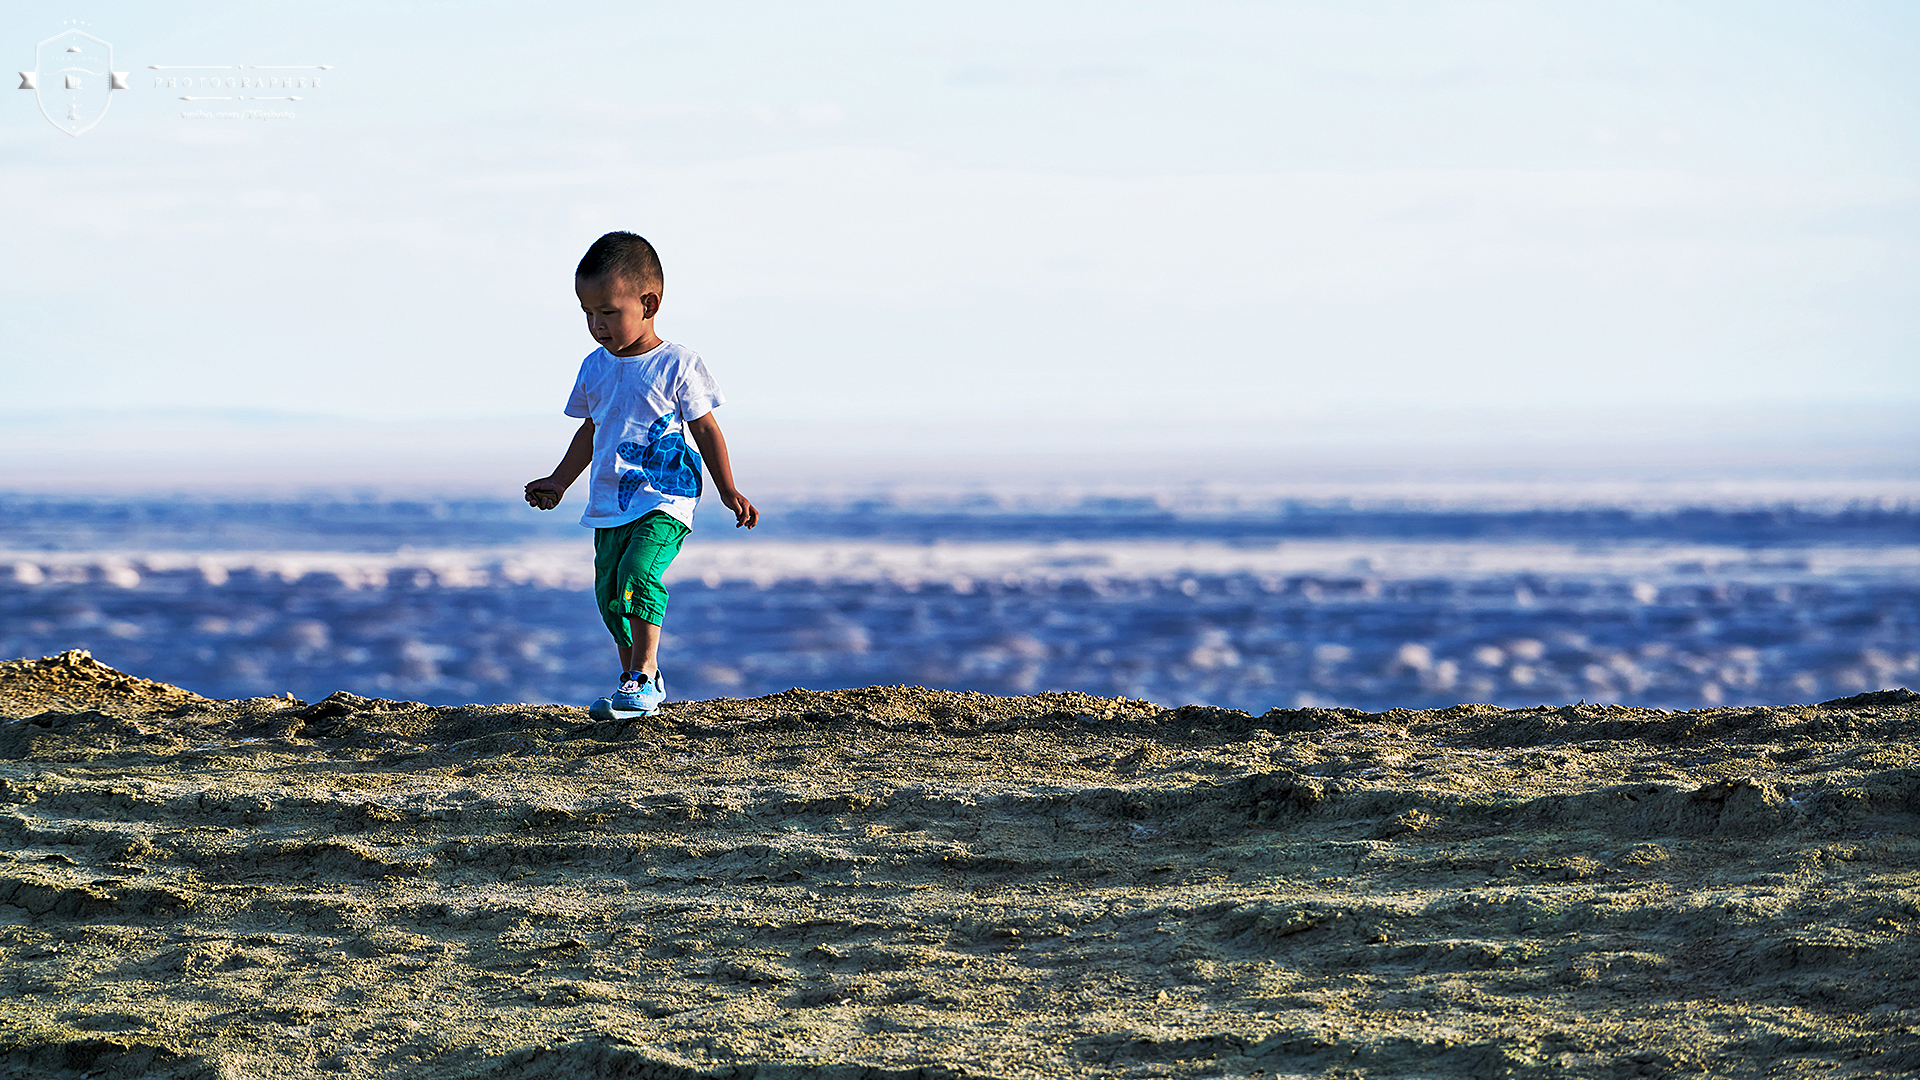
635	396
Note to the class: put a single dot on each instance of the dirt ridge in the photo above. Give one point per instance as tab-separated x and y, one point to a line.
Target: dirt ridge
898	882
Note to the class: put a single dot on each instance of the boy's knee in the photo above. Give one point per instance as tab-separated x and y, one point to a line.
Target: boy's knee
647	602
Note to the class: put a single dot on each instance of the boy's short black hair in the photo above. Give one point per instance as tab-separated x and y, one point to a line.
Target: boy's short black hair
625	256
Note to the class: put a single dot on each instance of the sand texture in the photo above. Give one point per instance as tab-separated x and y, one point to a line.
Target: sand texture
895	882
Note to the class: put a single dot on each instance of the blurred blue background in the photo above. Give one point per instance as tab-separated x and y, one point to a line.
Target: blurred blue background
1252	607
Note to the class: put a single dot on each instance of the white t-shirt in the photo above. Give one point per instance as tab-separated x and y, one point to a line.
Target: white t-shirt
640	406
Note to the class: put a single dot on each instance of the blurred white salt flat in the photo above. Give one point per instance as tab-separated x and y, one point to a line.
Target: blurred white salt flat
962	565
560	566
849	562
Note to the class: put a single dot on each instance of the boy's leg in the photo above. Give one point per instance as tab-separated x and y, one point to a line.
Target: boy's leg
609	548
641	599
644	654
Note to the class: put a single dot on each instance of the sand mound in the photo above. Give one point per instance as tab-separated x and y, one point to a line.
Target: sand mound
897	882
75	680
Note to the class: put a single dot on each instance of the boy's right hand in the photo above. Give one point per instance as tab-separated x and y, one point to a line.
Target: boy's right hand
544	493
745	514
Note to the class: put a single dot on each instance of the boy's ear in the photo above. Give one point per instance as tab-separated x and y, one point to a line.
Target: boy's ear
650	302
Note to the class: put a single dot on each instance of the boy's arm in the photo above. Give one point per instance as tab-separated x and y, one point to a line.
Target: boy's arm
544	493
713	448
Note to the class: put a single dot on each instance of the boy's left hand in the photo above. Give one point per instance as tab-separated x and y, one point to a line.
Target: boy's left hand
745	514
544	493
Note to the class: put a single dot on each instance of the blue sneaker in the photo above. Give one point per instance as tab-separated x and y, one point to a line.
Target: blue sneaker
638	696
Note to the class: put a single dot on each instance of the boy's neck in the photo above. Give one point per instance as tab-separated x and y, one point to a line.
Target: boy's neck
645	343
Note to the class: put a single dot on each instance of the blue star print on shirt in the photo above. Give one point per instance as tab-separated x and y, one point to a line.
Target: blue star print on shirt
666	462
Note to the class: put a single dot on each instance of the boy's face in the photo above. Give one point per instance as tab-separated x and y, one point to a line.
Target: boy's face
619	313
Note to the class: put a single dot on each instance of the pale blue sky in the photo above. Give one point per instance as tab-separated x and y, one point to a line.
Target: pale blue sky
1124	220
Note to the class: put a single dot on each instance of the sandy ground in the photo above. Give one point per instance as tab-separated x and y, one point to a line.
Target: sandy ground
907	883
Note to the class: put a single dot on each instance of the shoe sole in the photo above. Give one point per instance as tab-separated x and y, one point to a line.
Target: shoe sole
604	710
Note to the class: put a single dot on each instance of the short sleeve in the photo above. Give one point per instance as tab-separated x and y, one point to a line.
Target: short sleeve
697	393
580	403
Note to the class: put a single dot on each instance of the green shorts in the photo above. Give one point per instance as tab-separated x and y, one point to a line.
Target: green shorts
627	563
